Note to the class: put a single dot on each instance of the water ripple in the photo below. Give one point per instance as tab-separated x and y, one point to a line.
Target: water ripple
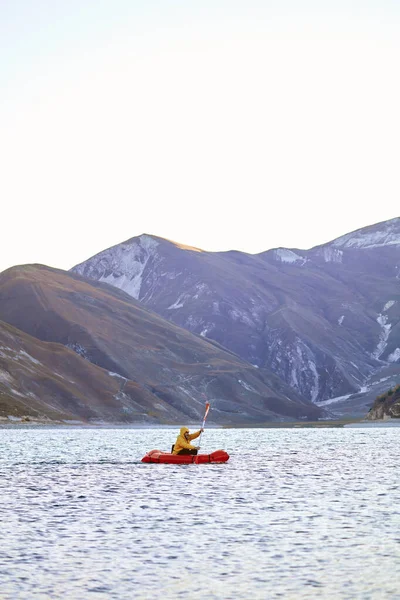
299	514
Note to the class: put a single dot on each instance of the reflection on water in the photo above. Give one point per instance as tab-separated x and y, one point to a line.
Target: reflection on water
295	513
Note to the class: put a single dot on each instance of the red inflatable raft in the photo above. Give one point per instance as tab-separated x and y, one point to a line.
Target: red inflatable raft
157	456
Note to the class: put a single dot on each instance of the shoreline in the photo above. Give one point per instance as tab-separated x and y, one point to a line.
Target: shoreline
337	423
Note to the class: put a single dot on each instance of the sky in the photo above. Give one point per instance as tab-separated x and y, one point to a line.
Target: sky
220	124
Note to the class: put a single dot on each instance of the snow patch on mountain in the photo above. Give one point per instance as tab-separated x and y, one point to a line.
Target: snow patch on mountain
79	349
17	393
5	348
394	356
389	305
383	338
246	386
148	243
121	266
171	274
177	304
18	355
5	377
215	308
359	376
314	390
330	254
130	284
302	369
333	255
383	234
207	329
113	374
201	289
241	316
288	256
130	262
194	323
29	357
333	400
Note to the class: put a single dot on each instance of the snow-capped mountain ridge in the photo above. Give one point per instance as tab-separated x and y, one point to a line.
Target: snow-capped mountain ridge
324	320
386	233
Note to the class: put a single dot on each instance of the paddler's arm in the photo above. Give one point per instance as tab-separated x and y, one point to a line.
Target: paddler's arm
193	436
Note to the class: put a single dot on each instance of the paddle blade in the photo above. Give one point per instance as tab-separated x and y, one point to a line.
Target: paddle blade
205	414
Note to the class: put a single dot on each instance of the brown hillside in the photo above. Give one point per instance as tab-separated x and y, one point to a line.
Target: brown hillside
169	371
47	380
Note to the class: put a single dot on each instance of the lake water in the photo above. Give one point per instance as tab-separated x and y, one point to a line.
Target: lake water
294	514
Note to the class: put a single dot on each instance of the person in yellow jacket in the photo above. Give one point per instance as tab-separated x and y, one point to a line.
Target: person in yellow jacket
183	445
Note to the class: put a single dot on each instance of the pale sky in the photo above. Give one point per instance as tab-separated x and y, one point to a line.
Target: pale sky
221	124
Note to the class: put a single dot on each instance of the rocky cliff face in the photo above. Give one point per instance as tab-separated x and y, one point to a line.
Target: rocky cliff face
83	349
324	320
386	406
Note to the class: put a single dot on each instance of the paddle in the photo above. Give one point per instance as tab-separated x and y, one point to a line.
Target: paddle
204	421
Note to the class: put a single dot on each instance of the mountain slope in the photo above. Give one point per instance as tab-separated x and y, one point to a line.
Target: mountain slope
325	320
168	372
45	380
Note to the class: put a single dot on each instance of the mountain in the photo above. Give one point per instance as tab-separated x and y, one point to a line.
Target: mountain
84	349
325	320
